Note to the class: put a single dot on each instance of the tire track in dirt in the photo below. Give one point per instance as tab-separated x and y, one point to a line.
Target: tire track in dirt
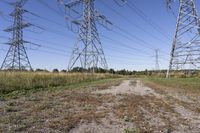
130	106
138	107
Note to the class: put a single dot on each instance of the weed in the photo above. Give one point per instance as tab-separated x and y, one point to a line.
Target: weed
131	131
187	84
15	83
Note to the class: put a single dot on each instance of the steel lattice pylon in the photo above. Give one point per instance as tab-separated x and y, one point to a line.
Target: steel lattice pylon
87	52
157	66
185	53
88	49
16	58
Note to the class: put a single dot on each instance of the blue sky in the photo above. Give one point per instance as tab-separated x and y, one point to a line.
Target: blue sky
133	49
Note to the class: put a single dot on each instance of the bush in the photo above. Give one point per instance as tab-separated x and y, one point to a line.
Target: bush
55	71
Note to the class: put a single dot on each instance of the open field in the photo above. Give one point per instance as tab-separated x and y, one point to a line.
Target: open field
106	105
100	66
27	82
183	84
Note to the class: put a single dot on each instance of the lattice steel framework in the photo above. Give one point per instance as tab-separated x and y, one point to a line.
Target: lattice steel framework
16	57
157	66
88	51
185	53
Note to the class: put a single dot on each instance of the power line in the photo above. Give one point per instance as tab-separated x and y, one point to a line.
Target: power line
49	20
147	19
130	52
58	32
142	42
64	55
5	17
123	44
43	46
148	45
111	48
185	47
5	2
126	46
49	7
49	42
105	37
130	21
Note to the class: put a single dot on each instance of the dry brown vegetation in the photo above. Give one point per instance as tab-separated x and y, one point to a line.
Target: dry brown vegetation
83	109
55	111
12	83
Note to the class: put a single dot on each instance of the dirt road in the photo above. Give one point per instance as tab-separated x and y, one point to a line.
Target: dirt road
138	108
130	107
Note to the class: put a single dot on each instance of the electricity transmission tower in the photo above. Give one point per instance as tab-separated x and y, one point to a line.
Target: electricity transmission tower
16	57
88	51
185	53
157	66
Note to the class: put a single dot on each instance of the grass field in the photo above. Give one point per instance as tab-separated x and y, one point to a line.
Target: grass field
188	84
72	102
28	100
12	83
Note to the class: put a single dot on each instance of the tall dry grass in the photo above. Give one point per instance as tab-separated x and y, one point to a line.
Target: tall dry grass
16	81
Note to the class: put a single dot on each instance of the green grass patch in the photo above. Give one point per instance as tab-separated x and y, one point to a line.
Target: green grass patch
179	83
13	83
131	130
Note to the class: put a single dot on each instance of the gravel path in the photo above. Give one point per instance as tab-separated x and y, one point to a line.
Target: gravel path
129	87
129	107
177	117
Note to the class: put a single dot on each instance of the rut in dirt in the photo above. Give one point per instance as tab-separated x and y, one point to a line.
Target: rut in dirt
136	107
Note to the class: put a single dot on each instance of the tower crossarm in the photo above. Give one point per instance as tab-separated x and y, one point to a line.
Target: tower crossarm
19	3
12	28
88	50
102	19
19	10
74	3
70	4
185	47
16	57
